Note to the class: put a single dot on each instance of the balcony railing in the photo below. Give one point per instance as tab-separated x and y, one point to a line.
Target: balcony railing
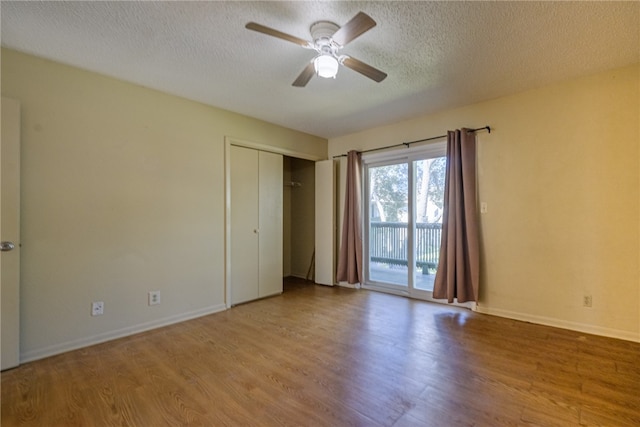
388	244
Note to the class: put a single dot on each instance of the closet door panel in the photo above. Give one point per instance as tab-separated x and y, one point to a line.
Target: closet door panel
244	224
270	220
325	222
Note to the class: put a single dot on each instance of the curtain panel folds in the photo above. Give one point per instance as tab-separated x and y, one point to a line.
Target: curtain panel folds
350	260
458	271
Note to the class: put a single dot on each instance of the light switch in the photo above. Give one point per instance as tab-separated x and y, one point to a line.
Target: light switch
483	207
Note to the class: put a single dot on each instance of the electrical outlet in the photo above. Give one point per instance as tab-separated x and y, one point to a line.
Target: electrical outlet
97	308
587	301
154	297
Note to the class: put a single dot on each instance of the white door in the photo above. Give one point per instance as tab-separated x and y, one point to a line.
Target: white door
10	234
255	224
244	224
325	223
270	224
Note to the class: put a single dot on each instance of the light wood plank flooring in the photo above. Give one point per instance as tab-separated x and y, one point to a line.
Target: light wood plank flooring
319	356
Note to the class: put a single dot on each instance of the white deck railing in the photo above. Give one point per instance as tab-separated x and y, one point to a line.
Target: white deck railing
388	243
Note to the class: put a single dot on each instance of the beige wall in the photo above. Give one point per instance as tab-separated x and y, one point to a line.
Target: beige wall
560	174
122	193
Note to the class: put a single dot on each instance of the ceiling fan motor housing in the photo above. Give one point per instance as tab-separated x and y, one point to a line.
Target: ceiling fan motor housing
326	63
323	30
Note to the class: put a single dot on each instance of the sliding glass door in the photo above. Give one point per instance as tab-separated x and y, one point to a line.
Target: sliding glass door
428	231
388	227
404	195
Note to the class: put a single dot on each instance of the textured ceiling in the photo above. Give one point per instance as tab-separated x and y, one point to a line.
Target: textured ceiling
437	55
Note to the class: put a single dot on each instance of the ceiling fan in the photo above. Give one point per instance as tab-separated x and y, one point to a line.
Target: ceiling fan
328	39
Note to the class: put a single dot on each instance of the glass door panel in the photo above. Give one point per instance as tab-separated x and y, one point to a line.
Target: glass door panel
429	200
388	223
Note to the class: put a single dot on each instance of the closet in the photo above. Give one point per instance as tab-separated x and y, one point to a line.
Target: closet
255	265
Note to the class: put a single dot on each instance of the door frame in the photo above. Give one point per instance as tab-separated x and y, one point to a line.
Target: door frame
228	142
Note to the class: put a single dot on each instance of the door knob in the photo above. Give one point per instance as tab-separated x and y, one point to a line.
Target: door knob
6	246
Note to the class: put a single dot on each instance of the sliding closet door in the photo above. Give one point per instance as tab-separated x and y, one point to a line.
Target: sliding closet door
10	234
255	224
244	224
325	222
270	223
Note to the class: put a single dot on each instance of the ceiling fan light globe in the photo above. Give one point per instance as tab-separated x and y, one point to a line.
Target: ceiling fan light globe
326	66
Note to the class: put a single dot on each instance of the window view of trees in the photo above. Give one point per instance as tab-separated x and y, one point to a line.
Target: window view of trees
430	189
388	189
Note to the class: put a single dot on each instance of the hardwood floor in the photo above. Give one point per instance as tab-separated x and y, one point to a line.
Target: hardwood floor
320	356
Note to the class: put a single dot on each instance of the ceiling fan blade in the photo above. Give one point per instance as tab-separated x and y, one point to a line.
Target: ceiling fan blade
364	69
305	76
275	33
352	29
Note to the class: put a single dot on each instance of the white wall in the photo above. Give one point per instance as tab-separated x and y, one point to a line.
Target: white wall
560	174
122	193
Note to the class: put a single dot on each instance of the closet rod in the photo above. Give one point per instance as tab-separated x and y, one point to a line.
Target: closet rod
408	144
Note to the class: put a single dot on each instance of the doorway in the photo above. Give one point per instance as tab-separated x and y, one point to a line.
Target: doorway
298	218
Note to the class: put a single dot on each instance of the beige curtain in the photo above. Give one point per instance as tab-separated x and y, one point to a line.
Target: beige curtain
458	271
350	259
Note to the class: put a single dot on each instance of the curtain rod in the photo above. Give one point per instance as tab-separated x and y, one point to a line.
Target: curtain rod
408	144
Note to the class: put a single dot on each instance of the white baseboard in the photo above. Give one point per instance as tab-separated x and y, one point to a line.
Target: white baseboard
324	284
52	350
564	324
347	285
